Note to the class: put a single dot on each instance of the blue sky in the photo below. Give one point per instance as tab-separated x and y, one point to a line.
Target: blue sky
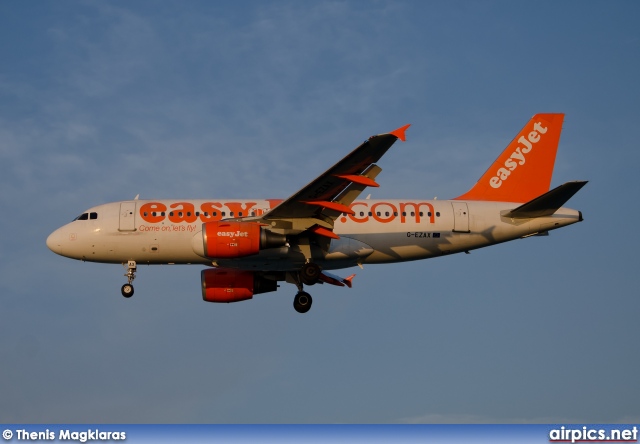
100	101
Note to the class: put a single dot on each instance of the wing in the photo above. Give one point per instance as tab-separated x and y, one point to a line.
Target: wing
316	206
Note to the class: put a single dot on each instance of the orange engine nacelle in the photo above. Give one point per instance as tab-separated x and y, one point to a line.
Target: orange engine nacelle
228	285
237	239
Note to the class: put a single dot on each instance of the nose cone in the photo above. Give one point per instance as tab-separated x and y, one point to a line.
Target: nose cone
54	242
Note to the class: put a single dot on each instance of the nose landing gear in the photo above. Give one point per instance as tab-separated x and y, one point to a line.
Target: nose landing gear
127	289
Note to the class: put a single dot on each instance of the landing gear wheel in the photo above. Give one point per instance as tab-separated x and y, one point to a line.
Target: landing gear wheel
127	290
302	302
310	273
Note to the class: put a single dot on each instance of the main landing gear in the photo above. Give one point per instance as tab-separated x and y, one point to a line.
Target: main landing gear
127	289
309	275
302	302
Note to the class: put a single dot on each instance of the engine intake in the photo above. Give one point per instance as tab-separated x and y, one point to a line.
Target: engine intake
228	285
235	239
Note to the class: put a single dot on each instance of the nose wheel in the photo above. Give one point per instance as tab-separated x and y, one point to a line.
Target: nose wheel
127	289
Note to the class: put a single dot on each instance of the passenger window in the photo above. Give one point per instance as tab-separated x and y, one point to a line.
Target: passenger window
437	214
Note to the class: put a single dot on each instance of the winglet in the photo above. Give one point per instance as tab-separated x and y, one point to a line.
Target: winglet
400	132
348	280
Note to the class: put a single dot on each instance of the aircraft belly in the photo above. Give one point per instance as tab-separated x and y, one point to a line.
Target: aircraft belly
343	252
394	247
272	259
347	248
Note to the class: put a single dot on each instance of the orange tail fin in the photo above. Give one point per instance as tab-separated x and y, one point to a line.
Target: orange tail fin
523	171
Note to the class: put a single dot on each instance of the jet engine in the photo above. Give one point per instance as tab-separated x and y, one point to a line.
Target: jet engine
234	239
228	285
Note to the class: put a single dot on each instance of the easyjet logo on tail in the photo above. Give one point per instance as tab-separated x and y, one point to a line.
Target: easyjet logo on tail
518	157
532	152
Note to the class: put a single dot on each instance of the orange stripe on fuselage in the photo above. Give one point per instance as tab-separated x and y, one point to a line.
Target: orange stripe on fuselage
359	212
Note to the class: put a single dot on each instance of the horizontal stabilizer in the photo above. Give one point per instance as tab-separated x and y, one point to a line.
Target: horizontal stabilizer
548	203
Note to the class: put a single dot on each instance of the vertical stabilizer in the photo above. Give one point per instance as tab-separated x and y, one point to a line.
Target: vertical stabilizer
523	171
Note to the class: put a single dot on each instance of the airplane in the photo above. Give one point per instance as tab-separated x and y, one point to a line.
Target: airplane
251	245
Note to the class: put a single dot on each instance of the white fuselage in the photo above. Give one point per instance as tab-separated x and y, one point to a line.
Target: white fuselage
380	231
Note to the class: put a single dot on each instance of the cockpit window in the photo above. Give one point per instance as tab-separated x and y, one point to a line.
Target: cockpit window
87	216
